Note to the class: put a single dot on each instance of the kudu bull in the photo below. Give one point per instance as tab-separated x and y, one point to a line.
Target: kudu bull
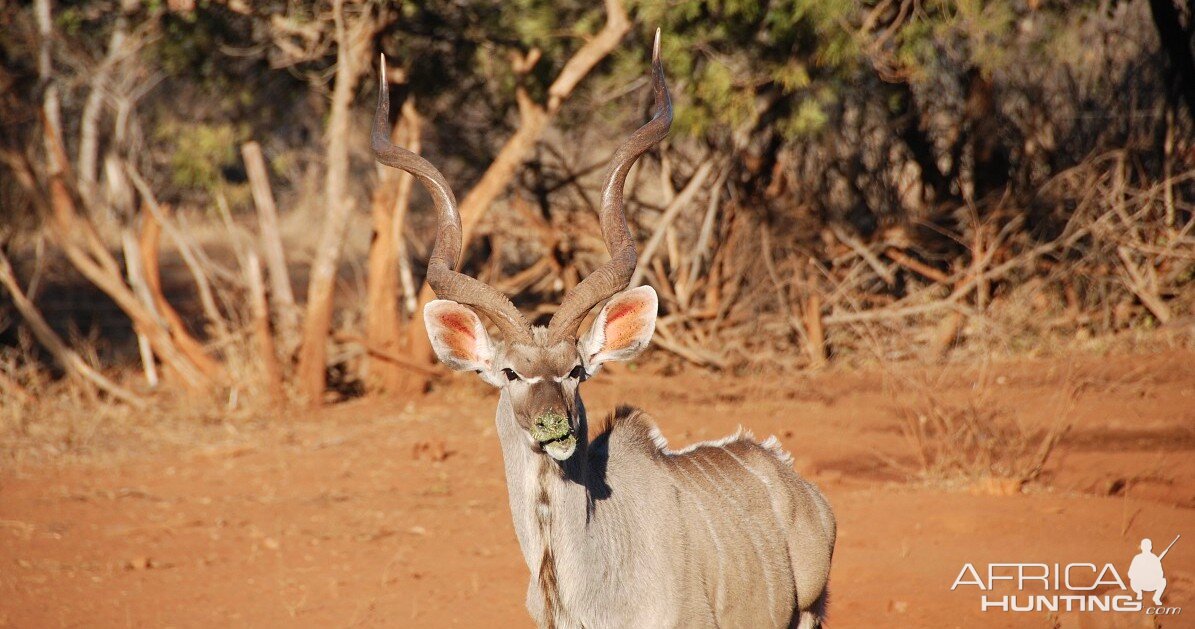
620	531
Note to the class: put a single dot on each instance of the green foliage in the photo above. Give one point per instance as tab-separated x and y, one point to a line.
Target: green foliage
974	33
777	74
190	47
199	153
732	61
534	23
809	118
71	20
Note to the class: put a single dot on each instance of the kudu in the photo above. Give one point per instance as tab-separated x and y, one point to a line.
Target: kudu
620	531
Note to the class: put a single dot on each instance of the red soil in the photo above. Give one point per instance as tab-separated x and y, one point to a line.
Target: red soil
379	513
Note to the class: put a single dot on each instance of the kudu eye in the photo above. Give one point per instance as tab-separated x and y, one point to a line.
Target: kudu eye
577	372
510	374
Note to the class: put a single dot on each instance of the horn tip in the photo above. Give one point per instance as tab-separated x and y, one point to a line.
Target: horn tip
655	47
378	135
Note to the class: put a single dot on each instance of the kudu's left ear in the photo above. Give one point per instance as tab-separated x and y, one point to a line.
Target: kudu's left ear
622	329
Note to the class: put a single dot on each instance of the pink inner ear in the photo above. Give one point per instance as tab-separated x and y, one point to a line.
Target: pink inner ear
621	329
619	311
461	338
459	323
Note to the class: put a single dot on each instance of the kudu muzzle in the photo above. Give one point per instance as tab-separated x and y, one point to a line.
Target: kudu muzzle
552	423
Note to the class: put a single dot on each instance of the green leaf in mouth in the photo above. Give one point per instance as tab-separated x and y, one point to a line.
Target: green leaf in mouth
551	427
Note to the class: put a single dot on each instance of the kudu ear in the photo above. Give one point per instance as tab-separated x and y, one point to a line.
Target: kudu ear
622	329
457	335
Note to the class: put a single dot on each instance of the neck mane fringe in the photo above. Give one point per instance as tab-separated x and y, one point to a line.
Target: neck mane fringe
548	584
635	431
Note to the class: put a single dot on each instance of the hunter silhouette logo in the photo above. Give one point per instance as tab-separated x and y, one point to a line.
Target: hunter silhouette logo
1145	573
1078	587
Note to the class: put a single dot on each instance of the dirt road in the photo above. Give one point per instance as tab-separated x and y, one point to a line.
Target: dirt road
391	514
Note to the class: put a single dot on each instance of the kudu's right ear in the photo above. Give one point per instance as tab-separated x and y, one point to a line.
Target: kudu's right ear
457	336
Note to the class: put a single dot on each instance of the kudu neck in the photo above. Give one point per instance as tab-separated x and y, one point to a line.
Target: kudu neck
530	474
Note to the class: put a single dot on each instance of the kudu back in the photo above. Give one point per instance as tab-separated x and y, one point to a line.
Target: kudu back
620	531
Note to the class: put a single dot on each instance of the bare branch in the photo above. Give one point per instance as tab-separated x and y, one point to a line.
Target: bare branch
75	366
681	201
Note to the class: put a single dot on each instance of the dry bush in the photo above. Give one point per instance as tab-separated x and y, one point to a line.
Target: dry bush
64	422
977	442
44	417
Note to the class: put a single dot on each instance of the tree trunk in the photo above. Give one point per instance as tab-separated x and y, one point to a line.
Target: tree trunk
321	285
1176	41
113	285
136	279
97	264
814	329
263	338
51	103
187	249
906	119
390	202
89	120
271	240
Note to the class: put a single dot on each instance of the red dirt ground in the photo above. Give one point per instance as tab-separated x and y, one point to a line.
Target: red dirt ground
385	514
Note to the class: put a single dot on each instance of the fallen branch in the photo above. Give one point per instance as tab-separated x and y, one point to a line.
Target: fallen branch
76	368
697	356
185	250
916	266
1141	287
862	251
778	288
190	346
376	352
963	289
